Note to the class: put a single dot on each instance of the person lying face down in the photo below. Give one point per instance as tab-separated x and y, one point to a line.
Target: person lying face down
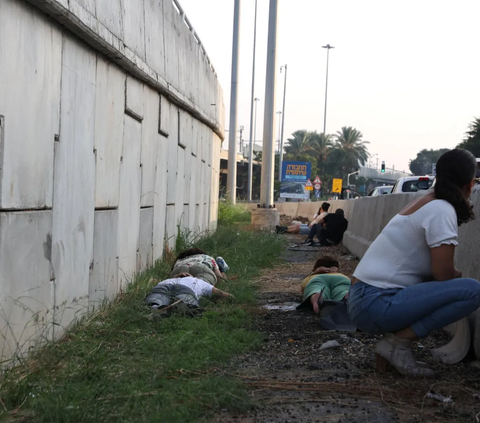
185	288
198	264
325	283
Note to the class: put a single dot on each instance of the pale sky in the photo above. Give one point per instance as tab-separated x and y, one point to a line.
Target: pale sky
406	74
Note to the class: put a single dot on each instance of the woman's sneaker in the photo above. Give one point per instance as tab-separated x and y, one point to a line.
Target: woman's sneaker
222	265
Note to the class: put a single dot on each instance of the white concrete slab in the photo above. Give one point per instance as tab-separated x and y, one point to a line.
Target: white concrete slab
170	226
110	14
74	191
160	199
165	116
134	26
180	184
129	205
34	50
109	116
88	5
145	249
134	98
172	42
194	187
172	157
150	142
155	50
104	274
26	303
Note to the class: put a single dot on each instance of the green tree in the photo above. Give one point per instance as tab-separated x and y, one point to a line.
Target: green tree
349	152
471	141
299	143
320	146
422	164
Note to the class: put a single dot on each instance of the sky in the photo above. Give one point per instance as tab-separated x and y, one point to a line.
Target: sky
405	74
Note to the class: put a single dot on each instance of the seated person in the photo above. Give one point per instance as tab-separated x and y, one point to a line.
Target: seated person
198	264
325	283
303	228
332	233
185	288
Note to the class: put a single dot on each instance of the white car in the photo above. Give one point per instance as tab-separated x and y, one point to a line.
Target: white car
380	191
413	184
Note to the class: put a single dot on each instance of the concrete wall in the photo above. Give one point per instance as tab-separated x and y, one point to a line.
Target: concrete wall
368	216
111	120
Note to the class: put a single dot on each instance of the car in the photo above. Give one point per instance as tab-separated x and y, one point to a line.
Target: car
386	189
413	184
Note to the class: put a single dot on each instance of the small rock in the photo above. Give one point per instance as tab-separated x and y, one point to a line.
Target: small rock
329	344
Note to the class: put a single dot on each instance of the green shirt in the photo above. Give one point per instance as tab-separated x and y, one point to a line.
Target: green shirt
336	286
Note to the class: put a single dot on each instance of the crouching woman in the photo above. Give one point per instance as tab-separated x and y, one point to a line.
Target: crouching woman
390	294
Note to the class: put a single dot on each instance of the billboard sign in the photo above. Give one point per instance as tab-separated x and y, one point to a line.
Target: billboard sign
295	176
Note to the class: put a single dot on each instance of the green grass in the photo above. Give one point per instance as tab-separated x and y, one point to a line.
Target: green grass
229	214
120	365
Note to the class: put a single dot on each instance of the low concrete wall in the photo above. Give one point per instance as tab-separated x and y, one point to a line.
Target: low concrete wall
111	118
368	216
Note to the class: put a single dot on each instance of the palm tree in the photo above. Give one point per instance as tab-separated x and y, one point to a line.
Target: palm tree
350	150
299	144
320	145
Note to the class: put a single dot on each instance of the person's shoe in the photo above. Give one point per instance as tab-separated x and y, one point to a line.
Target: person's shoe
280	229
309	242
222	265
398	352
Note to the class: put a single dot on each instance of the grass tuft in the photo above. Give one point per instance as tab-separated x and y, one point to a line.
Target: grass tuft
229	214
120	365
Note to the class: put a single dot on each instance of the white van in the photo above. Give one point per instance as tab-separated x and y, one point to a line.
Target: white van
413	184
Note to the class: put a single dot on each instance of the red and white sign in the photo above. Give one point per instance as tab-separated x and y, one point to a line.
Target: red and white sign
317	180
317	187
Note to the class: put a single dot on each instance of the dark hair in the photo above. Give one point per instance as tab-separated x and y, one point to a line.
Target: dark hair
188	253
326	261
340	212
455	169
325	206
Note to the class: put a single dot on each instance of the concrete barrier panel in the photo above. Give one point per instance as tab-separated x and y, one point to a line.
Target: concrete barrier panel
104	274
160	199
27	301
134	98
109	116
74	192
145	249
172	43
154	38
180	185
171	226
110	15
129	201
150	142
134	26
30	68
172	157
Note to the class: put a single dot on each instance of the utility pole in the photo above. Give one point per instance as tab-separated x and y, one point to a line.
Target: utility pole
280	160
241	138
252	102
232	148
279	114
268	155
328	47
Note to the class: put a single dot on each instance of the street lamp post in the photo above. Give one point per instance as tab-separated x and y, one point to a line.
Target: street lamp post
252	103
280	160
279	114
232	145
348	182
328	47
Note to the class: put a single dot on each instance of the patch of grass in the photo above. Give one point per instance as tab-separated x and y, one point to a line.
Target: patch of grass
229	213
120	365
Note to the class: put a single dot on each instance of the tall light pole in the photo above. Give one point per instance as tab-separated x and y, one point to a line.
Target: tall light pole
232	145
328	47
268	155
279	114
252	103
280	160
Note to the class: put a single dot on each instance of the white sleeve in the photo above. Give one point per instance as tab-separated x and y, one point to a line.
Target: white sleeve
205	288
441	227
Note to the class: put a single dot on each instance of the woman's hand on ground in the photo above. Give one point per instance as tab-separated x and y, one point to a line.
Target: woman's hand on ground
183	275
321	270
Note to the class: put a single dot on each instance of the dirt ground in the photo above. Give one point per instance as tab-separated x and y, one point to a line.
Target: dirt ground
292	380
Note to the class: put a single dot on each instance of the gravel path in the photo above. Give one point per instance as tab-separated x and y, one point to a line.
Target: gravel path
292	380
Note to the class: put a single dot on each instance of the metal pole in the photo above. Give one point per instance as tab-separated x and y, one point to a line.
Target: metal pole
328	47
268	155
252	102
279	122
232	146
283	124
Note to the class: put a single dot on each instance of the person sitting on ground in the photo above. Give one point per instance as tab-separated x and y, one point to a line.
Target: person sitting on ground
200	265
304	228
332	233
389	293
325	283
184	289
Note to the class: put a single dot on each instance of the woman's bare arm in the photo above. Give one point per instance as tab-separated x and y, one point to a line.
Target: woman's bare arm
443	267
217	293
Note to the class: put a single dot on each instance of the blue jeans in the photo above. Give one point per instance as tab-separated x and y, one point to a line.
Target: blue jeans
424	307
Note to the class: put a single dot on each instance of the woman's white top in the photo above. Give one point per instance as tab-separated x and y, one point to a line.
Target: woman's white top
400	255
198	286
